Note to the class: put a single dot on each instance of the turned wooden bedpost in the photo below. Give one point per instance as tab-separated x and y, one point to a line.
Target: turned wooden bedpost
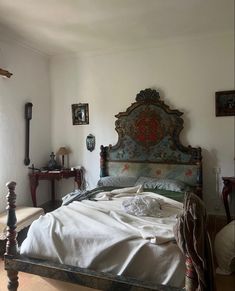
190	275
11	245
199	173
102	161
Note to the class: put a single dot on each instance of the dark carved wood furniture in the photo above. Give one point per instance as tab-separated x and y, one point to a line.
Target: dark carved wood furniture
148	144
35	177
228	189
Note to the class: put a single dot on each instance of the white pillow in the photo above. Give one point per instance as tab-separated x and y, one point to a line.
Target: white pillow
225	249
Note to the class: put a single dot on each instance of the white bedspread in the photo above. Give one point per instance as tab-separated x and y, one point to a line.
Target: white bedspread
101	236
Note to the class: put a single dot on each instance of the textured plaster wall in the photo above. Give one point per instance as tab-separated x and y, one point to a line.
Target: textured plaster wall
187	72
29	83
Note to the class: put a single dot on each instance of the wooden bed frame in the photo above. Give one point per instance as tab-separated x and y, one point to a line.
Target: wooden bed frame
148	144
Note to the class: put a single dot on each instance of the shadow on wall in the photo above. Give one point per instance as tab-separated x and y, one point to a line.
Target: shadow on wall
212	181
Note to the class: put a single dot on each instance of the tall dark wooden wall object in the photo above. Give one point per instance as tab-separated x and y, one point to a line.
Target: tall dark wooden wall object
28	117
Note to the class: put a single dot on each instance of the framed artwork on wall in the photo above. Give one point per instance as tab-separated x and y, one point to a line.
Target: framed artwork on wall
225	103
80	114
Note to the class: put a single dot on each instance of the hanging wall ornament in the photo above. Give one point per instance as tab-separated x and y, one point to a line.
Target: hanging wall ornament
90	142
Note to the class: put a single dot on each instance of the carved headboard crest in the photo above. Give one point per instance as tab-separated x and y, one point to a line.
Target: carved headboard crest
148	120
147	95
149	131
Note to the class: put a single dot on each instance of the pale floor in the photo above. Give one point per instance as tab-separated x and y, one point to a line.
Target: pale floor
30	282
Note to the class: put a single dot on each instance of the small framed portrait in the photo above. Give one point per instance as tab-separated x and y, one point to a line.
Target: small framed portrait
225	103
80	114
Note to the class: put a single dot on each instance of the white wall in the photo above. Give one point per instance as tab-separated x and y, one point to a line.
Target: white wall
29	83
187	73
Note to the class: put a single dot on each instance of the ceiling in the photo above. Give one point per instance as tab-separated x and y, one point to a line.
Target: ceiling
65	26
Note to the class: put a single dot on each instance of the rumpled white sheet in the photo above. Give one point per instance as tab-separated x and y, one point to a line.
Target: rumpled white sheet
117	193
101	236
141	205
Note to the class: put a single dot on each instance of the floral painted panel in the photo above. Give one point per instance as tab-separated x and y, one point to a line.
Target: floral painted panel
185	173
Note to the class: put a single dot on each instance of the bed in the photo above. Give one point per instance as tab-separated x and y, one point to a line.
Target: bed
148	163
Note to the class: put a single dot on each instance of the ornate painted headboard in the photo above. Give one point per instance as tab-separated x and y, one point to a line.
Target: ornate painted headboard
148	144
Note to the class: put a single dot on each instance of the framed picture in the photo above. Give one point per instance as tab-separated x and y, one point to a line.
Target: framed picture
80	114
225	103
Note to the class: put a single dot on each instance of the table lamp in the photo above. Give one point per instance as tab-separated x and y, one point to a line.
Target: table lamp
63	151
